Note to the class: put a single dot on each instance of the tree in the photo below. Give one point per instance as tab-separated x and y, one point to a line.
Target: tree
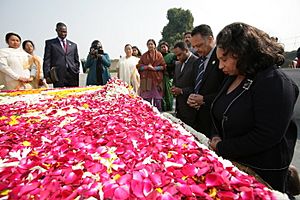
180	21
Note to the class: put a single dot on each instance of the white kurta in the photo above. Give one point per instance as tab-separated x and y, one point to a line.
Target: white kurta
13	65
128	71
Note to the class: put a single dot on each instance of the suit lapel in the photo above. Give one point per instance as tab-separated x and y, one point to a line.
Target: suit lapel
187	65
59	46
69	45
211	65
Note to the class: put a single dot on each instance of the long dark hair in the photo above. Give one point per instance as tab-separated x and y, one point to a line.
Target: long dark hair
139	52
254	49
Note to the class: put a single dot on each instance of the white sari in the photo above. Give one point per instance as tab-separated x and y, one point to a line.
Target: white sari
14	63
128	71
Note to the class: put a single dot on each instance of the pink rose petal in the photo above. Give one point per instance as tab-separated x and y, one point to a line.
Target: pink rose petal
121	193
137	188
148	187
214	179
189	170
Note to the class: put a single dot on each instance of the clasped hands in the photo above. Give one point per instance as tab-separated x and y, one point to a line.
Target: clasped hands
195	101
150	67
24	79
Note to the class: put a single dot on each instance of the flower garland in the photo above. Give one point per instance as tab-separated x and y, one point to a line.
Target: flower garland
107	143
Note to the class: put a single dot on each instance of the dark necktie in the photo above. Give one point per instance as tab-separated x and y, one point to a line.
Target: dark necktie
199	75
65	45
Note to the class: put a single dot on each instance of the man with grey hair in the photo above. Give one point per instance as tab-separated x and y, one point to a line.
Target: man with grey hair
208	77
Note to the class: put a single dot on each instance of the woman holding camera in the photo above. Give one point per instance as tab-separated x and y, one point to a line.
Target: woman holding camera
97	64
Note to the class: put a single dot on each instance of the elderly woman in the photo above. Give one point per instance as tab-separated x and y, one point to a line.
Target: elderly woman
16	66
252	112
151	68
127	69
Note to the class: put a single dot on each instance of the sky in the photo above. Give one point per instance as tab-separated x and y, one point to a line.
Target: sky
119	22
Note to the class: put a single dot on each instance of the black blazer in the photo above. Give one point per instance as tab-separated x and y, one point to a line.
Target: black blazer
66	63
257	126
184	81
211	83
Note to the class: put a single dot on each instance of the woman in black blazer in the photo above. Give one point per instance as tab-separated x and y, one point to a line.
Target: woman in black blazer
252	112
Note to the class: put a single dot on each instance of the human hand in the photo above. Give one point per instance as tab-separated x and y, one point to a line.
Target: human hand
212	144
176	91
150	67
30	79
195	101
23	79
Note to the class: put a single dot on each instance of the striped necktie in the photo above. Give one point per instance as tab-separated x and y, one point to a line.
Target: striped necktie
199	76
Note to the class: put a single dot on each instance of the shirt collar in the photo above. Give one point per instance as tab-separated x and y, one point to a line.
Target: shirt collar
209	54
60	39
188	58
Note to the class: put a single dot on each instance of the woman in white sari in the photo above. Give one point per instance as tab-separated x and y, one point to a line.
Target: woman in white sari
16	66
127	70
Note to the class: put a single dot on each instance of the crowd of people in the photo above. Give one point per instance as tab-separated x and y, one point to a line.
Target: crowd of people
229	88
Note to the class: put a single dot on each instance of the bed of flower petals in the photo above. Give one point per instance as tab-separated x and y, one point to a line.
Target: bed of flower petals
106	143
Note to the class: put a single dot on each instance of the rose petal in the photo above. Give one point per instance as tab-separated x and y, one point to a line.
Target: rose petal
214	179
29	187
148	187
189	170
121	193
137	188
185	189
156	180
126	178
227	195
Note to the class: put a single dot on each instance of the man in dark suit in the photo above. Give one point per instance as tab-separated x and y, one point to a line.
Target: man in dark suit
207	80
61	58
183	83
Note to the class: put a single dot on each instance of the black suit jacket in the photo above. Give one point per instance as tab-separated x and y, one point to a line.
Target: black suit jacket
184	81
66	63
210	85
258	131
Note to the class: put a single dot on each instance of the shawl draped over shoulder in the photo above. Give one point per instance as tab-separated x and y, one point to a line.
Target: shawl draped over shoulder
150	78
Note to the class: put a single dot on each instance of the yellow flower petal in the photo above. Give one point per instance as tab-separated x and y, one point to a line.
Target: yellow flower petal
26	143
68	139
159	190
5	192
169	154
34	153
184	145
116	177
14	120
3	117
86	106
184	178
212	192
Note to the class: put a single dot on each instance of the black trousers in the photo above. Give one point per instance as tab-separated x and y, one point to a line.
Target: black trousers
276	178
67	79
